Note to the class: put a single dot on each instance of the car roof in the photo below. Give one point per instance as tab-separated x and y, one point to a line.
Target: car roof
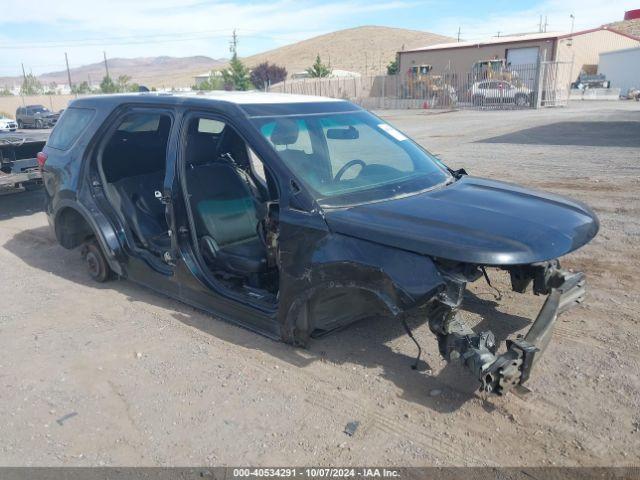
252	102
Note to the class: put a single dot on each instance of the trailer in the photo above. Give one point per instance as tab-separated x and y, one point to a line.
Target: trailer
18	161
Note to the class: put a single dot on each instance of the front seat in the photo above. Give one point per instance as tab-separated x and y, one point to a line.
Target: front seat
226	217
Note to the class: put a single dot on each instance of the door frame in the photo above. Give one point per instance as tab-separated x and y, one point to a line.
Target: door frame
111	125
184	240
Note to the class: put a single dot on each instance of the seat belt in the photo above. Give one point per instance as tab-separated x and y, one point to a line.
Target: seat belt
255	192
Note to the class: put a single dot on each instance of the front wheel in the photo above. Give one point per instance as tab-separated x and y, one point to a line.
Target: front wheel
478	100
38	123
20	124
96	262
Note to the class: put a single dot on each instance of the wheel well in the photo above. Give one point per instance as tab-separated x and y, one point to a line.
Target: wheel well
333	308
71	228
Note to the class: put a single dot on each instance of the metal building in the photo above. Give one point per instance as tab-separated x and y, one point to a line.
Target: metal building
622	68
582	49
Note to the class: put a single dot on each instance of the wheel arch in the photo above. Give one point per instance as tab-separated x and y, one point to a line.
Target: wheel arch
73	227
350	280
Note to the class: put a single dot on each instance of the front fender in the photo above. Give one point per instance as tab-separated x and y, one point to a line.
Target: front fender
343	279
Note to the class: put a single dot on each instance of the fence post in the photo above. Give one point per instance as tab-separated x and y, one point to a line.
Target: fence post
540	80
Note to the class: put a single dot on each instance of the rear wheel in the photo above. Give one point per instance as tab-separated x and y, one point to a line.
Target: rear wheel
96	262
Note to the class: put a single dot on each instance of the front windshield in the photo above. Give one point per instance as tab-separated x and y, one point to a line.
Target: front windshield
347	158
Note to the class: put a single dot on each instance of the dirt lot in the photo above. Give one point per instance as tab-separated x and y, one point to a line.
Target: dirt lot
118	375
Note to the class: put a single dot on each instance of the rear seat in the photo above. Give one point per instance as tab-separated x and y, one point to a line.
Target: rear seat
144	213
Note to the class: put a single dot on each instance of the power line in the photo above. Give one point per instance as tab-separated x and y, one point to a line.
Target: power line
136	40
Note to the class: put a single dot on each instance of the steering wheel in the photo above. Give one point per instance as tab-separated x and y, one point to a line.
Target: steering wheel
347	166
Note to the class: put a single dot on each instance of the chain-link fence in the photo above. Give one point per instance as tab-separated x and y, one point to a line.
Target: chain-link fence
485	87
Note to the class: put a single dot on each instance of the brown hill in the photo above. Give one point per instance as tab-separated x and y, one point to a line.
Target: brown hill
630	27
150	71
366	50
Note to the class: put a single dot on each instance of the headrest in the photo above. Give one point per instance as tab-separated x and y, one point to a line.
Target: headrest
201	149
285	132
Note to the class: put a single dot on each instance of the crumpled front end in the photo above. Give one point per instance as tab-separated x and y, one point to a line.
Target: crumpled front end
499	373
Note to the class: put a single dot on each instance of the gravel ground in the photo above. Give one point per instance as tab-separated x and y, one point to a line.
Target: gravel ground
117	375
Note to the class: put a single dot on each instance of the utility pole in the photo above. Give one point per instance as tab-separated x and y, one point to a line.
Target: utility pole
459	33
66	60
233	44
545	23
24	79
540	25
106	66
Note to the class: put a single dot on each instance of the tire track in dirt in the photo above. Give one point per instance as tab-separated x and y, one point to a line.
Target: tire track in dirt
375	419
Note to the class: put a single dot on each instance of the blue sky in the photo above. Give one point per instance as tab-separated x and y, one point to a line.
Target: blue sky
38	32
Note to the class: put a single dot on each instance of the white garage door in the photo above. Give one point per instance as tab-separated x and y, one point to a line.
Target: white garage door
522	56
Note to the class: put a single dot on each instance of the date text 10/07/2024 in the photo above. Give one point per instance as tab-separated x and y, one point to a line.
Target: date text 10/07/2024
316	472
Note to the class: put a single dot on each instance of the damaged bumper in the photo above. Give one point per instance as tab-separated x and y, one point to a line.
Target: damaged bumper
511	369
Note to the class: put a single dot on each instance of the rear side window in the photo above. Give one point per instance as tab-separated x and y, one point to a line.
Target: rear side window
145	122
72	123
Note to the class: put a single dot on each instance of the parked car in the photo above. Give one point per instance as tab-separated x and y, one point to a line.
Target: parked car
19	163
295	216
36	116
499	91
7	124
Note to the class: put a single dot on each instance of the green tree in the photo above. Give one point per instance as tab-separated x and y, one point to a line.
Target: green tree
211	83
31	85
122	83
81	88
236	77
392	68
107	85
5	92
51	89
318	69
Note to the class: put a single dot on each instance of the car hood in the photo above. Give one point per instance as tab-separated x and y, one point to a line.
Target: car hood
473	220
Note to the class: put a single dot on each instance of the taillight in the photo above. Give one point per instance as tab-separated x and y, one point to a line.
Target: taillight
42	159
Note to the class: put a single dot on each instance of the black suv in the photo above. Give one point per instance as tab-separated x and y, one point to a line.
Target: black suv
295	216
36	116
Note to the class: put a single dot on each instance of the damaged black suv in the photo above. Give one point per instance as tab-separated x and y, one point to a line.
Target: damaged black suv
295	216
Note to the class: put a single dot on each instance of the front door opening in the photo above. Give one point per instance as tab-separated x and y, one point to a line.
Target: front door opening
133	165
233	205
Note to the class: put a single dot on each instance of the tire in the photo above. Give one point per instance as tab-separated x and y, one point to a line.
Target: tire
521	100
38	124
478	100
96	262
20	124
